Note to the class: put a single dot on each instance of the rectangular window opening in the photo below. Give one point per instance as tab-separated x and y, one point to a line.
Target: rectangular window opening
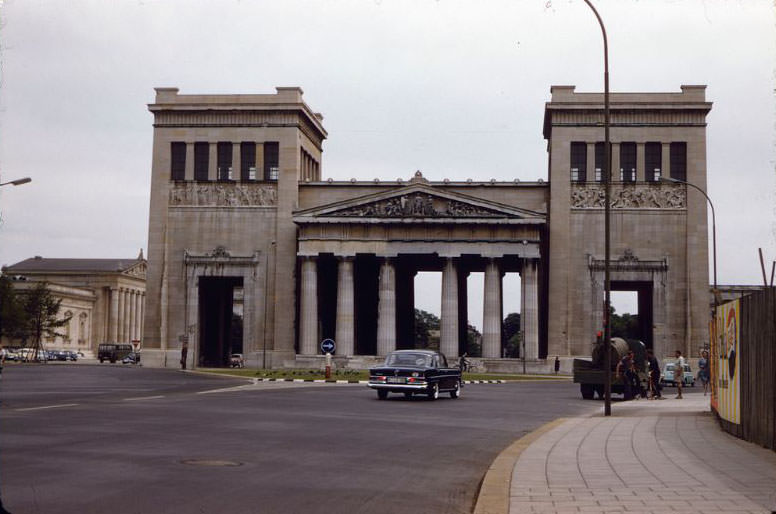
271	158
628	162
248	161
178	161
201	161
578	162
679	160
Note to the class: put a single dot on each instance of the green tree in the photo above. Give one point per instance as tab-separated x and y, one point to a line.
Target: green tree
511	335
425	323
11	312
625	325
40	316
473	342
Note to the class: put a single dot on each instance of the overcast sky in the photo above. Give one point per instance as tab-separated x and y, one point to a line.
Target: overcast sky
453	88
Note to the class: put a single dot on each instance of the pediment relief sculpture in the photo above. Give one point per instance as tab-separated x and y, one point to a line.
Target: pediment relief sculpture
420	205
222	195
636	196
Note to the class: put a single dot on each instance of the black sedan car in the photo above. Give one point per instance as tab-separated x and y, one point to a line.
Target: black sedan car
415	372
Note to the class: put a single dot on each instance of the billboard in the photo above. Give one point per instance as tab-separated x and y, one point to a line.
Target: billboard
725	362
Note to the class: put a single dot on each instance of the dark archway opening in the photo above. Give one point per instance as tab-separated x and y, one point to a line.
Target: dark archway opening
220	328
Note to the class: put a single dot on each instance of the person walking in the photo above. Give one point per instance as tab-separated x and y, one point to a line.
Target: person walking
557	364
654	376
623	372
679	373
703	371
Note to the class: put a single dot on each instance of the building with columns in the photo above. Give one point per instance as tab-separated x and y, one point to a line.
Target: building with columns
240	210
104	298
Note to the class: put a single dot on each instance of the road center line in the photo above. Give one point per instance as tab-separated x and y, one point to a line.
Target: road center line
143	398
48	407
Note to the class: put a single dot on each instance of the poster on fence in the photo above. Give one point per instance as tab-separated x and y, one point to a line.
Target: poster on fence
725	362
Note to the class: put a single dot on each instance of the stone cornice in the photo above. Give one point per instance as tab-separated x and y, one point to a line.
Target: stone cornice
628	262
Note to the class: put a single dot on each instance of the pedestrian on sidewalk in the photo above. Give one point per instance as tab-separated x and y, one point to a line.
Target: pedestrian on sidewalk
703	371
679	373
557	364
654	376
623	372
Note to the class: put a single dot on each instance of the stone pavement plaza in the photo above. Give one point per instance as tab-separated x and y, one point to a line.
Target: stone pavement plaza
649	456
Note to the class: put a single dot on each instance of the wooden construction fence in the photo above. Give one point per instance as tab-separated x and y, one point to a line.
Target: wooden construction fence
758	368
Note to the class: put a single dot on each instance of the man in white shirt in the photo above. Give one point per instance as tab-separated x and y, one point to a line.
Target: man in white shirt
679	373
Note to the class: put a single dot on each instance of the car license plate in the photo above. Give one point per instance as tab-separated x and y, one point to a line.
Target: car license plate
396	380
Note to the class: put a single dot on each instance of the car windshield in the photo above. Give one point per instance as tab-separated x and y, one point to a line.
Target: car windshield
420	360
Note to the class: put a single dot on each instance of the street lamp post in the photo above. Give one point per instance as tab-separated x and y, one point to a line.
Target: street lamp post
607	178
713	231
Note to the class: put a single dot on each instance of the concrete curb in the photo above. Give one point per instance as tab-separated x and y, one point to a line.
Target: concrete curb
493	497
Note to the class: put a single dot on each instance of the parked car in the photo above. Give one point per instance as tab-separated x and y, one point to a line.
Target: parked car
30	355
71	355
415	372
236	360
9	354
667	377
131	358
113	351
59	355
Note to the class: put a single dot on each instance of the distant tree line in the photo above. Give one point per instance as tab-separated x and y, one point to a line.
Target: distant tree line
29	316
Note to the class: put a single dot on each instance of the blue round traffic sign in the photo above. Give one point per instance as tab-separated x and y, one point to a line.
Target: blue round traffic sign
328	346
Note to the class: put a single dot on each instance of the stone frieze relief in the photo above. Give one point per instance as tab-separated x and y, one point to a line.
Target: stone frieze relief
632	196
222	195
418	205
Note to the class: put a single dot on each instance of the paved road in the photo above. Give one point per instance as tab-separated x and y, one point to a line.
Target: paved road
129	440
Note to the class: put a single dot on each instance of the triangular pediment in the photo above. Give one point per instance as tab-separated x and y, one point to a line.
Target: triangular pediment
416	201
137	270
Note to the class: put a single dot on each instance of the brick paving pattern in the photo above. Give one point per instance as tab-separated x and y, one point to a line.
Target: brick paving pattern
648	457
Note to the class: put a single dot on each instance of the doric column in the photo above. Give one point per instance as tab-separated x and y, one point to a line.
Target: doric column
590	162
640	173
615	162
529	308
308	327
136	325
132	314
665	160
142	316
114	315
120	317
345	331
212	164
386	309
125	321
448	343
491	318
189	166
236	164
260	161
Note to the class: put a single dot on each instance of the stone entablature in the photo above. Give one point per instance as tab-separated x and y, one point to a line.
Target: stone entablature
222	194
628	262
629	196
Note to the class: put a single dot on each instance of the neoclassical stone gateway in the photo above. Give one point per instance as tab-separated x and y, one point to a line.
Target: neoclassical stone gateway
242	222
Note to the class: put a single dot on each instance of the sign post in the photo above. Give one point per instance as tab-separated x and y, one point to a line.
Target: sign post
328	346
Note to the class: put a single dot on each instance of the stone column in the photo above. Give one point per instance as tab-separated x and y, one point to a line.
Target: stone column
590	162
640	164
529	307
386	309
114	315
120	317
189	166
139	315
665	161
345	331
142	316
125	321
308	311
260	161
448	343
236	164
132	314
212	165
491	318
615	162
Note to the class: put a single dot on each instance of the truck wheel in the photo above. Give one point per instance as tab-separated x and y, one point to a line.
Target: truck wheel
455	393
599	390
382	394
588	391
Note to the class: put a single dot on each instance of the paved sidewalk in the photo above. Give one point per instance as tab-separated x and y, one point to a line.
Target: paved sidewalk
649	456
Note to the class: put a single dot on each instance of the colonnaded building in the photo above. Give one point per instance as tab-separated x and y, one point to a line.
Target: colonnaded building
241	214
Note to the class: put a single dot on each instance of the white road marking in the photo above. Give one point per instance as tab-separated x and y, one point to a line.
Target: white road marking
143	398
48	407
